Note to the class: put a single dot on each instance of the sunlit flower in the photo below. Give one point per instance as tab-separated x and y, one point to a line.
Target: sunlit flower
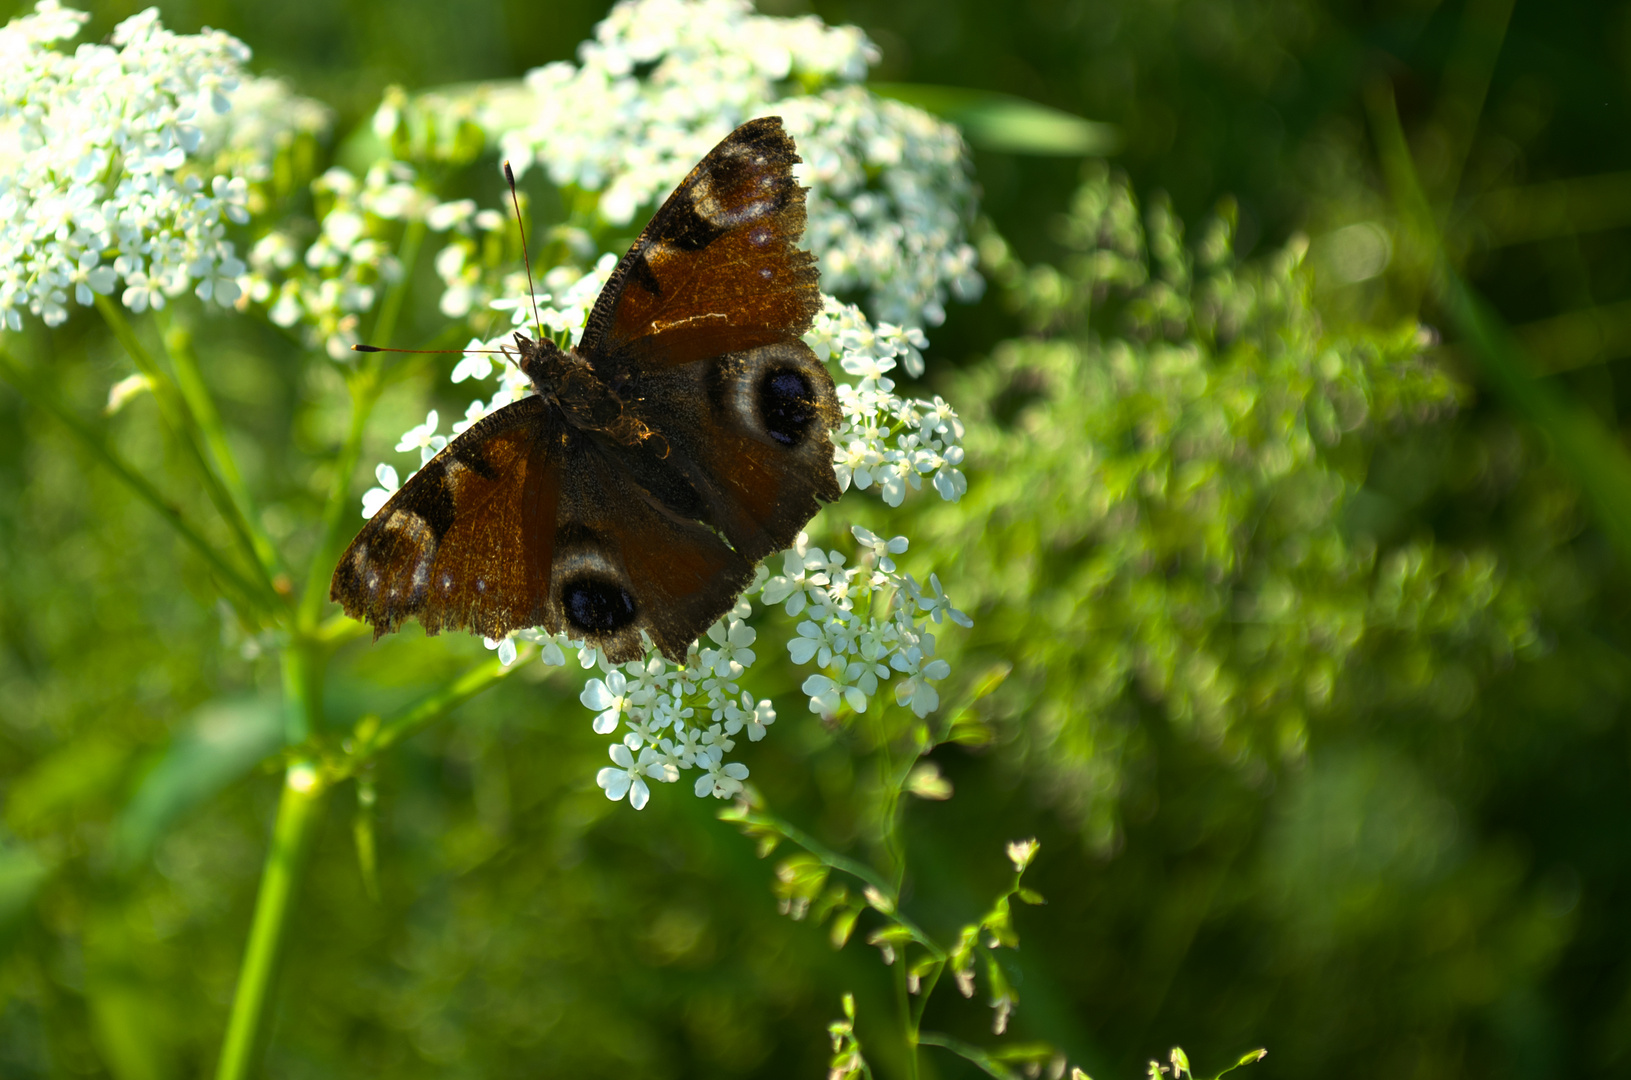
662	82
627	775
117	162
376	497
423	438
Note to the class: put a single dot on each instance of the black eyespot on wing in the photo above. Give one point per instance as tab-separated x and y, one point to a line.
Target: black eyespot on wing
787	406
595	605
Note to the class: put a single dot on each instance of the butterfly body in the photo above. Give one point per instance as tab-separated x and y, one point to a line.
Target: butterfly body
683	440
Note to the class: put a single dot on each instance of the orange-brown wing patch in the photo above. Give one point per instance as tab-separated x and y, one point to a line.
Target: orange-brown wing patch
468	541
716	270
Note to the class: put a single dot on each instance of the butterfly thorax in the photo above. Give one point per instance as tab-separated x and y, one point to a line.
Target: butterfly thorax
582	397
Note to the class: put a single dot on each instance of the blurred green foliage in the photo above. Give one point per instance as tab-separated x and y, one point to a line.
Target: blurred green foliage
1319	668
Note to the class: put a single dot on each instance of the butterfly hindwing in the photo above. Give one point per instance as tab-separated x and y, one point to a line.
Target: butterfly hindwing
626	561
716	271
745	438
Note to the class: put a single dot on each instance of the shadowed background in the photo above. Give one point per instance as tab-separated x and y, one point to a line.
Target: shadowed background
1435	886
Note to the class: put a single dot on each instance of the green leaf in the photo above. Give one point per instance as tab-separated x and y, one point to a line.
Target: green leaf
80	772
892	934
843	925
224	741
1251	1058
1007	124
22	872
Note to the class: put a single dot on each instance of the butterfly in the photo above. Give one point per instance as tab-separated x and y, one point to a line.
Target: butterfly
685	438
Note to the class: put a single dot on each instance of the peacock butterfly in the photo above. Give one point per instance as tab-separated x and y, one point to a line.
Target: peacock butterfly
684	439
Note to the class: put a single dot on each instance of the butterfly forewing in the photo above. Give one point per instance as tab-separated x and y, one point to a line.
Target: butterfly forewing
716	271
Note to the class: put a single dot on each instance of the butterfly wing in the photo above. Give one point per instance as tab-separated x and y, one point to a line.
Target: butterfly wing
745	441
522	521
627	561
716	270
468	541
699	325
662	534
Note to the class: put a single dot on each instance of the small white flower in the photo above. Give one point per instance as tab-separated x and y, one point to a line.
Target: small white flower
506	651
881	549
826	692
608	698
627	775
761	717
376	497
935	604
721	781
423	438
473	365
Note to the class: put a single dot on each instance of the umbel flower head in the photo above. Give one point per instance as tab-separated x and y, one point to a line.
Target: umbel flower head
662	81
117	174
143	176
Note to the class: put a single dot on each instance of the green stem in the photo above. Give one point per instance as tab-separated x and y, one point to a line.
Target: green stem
926	988
969	1052
302	689
365	386
178	346
831	859
371	740
299	811
391	308
184	425
904	1006
248	601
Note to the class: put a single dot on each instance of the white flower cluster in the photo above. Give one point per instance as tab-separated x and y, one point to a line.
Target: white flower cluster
890	199
886	441
860	625
107	162
325	289
665	80
265	119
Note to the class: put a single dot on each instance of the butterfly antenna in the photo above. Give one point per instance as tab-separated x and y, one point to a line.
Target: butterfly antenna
426	352
525	258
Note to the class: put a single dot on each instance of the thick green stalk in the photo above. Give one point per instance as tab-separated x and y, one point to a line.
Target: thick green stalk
299	812
249	602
